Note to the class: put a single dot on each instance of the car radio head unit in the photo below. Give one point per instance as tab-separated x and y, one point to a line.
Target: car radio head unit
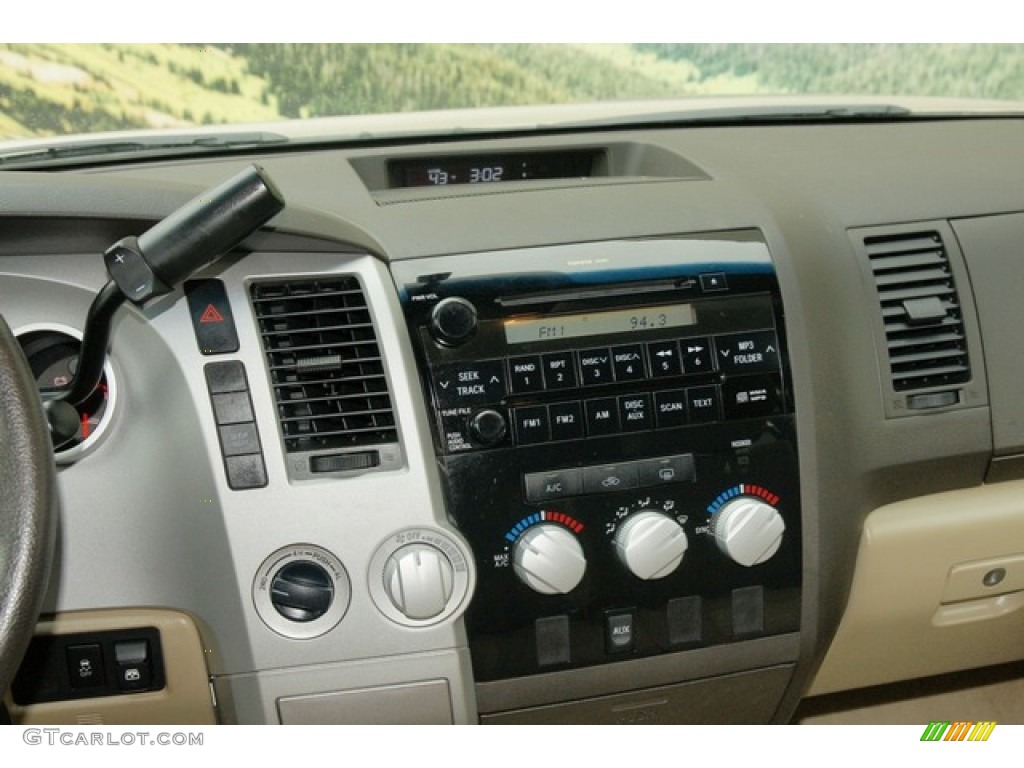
613	426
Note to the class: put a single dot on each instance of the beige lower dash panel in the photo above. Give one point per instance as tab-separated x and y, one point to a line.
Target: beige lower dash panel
185	700
937	588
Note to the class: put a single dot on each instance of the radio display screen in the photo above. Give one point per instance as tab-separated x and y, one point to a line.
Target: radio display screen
638	320
490	169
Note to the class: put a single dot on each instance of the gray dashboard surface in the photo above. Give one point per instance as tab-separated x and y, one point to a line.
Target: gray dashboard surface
149	520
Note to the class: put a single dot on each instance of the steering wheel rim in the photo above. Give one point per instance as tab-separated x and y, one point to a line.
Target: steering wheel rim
28	505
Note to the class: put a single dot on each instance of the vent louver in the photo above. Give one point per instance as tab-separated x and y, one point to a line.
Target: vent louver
325	364
921	312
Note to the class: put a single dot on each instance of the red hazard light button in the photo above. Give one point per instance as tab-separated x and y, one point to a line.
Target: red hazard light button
211	317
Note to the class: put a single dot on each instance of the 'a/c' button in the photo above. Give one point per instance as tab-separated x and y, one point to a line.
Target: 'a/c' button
541	486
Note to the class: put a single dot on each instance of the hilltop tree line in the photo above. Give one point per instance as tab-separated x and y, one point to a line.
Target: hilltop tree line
187	84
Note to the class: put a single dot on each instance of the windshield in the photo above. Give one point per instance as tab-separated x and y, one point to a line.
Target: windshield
49	90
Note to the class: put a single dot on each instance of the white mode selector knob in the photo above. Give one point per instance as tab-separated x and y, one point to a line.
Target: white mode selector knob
748	530
549	559
651	544
418	579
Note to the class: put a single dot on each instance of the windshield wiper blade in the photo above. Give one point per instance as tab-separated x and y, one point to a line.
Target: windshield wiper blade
84	150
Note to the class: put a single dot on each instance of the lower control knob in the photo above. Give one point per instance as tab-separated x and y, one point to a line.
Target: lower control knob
549	559
651	544
748	530
302	591
419	580
487	427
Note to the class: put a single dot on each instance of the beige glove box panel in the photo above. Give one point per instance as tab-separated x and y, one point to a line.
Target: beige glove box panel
938	587
184	700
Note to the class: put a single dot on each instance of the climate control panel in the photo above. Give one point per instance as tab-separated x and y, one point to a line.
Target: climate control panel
614	430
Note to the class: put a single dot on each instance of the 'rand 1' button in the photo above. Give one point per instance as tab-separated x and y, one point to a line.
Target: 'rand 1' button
524	374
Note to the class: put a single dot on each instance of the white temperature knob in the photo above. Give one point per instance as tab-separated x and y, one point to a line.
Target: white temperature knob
651	544
549	559
418	579
748	530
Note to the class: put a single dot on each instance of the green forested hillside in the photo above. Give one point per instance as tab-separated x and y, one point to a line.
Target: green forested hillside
954	70
53	89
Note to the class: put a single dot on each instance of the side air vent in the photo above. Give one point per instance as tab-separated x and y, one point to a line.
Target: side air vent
924	329
326	368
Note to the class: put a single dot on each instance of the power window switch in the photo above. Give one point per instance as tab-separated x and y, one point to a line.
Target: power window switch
134	668
85	666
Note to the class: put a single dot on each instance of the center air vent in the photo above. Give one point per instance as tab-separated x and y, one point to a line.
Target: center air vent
924	329
326	368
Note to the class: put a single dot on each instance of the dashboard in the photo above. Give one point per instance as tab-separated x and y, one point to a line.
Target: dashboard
620	424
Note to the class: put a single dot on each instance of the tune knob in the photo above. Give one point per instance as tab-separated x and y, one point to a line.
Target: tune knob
748	530
453	321
549	559
650	544
487	427
418	579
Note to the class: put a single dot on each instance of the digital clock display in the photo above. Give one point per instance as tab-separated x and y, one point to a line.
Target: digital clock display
521	330
490	169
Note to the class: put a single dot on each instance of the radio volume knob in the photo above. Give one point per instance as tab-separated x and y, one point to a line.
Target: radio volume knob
651	544
549	559
748	530
453	321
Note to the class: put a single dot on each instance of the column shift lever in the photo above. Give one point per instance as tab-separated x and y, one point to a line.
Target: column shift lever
155	263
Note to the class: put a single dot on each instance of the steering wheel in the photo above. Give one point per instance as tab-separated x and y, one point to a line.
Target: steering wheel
28	505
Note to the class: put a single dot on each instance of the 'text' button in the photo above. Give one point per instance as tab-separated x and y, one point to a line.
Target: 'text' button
703	404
